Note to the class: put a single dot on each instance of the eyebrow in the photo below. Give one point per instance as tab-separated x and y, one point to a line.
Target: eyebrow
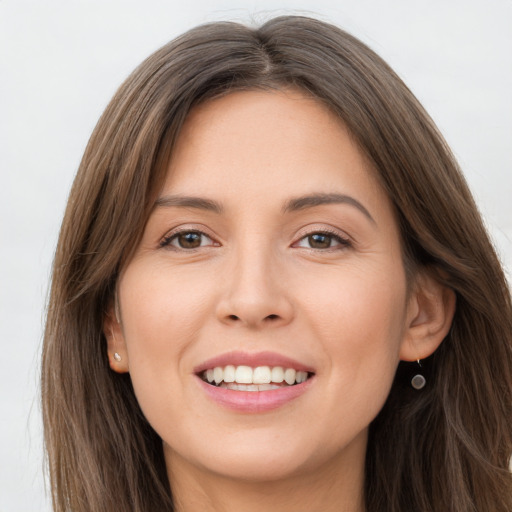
310	201
189	202
294	204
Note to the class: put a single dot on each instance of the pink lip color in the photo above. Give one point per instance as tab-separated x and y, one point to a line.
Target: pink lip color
253	360
255	401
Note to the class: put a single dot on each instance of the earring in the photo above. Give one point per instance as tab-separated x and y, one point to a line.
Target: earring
117	357
418	381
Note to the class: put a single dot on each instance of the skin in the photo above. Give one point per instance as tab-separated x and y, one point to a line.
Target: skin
259	282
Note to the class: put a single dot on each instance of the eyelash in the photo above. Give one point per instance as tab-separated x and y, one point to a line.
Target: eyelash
168	239
343	243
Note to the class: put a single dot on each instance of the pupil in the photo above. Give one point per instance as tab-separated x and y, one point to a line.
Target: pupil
190	240
319	241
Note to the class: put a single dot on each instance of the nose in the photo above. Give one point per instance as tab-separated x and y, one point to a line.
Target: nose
255	292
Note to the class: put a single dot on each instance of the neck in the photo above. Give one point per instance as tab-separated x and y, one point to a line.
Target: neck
332	487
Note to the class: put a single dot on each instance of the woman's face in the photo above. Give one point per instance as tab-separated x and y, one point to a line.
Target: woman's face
271	247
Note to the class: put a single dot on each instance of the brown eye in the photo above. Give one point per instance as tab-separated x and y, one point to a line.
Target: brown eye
187	240
320	241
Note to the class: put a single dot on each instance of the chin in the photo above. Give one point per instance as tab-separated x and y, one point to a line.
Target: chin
258	469
247	457
270	456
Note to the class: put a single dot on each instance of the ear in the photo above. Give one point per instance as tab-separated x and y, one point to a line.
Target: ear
430	314
116	346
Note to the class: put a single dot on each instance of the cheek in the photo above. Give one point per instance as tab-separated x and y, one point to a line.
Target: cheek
361	329
162	313
360	320
161	306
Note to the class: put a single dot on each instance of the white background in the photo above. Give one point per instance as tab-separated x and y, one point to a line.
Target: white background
62	60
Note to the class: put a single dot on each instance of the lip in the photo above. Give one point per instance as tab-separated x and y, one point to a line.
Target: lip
255	401
253	360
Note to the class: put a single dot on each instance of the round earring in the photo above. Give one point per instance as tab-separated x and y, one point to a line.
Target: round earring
117	357
418	381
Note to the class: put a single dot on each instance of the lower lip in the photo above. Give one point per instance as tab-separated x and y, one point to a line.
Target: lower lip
255	401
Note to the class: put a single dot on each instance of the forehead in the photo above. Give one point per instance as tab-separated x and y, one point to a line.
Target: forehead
269	143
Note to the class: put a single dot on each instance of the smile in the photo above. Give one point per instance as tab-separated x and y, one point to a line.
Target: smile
260	378
254	382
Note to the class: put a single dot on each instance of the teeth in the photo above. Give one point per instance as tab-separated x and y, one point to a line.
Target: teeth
229	373
301	377
277	374
243	374
289	376
249	387
218	375
262	375
261	378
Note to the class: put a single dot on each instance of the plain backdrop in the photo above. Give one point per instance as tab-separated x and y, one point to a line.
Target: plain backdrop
62	60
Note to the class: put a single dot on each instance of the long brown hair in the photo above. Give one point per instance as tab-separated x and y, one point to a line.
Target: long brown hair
446	448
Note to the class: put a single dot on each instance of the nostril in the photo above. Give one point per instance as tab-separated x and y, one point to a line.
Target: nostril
250	320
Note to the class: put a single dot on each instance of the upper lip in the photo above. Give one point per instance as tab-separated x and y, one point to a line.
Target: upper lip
237	358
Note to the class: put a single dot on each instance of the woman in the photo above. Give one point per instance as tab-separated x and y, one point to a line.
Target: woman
273	290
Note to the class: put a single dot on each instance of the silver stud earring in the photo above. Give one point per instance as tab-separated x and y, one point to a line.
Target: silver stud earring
418	381
117	357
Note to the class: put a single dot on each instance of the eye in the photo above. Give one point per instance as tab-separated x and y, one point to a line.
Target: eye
322	240
189	239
